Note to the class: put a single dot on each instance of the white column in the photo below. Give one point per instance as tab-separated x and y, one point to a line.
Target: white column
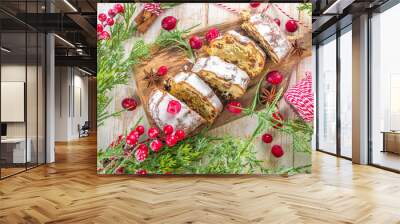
50	100
360	90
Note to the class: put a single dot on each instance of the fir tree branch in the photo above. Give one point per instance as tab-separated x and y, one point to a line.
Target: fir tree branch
176	38
113	68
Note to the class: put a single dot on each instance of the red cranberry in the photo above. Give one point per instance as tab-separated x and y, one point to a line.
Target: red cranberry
153	132
131	140
254	4
234	107
277	151
102	17
180	135
134	134
141	172
277	21
100	28
195	42
140	129
142	152
119	8
174	107
104	35
129	104
291	26
156	145
110	21
171	140
168	129
111	13
267	138
212	34
168	23
120	170
274	77
162	70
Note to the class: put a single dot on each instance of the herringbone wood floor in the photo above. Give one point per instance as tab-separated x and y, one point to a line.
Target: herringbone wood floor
69	191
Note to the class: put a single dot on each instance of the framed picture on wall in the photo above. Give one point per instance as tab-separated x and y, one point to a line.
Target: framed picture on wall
204	88
12	101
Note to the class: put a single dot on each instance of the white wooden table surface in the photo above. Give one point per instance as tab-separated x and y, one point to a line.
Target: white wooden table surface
208	14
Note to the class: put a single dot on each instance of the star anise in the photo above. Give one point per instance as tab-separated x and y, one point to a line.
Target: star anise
297	49
151	77
268	95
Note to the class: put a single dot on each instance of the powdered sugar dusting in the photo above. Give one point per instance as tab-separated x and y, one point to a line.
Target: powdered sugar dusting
268	29
223	70
186	119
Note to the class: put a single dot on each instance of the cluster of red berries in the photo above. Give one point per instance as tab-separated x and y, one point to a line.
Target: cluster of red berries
154	137
291	25
169	23
108	21
276	150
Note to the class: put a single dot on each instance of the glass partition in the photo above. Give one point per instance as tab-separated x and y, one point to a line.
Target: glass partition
385	90
327	95
13	103
22	77
346	94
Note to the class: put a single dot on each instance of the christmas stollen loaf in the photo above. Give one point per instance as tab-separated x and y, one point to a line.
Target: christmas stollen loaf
230	81
264	29
185	119
239	50
192	90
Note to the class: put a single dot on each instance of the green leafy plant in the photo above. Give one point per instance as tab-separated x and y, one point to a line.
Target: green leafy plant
201	154
113	66
307	7
176	38
168	5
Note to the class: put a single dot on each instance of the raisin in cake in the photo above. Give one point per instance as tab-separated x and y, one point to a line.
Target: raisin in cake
192	90
240	50
227	78
186	119
264	29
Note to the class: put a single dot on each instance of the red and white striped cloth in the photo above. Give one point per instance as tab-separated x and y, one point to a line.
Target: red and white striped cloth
301	98
154	8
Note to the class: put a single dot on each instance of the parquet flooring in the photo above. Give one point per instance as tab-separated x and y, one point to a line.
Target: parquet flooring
69	191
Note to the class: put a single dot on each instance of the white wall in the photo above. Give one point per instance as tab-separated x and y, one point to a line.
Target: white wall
70	83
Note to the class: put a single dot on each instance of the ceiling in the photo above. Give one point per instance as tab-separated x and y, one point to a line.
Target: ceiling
73	21
331	15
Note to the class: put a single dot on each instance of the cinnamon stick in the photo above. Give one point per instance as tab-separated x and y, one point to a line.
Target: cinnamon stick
144	20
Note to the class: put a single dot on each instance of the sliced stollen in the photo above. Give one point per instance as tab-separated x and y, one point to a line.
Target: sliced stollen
192	90
227	78
239	50
264	29
186	119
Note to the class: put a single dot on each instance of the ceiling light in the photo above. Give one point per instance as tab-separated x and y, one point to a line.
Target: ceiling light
337	7
70	5
5	50
64	40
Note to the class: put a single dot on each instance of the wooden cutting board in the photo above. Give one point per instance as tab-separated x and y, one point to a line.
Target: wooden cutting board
176	60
